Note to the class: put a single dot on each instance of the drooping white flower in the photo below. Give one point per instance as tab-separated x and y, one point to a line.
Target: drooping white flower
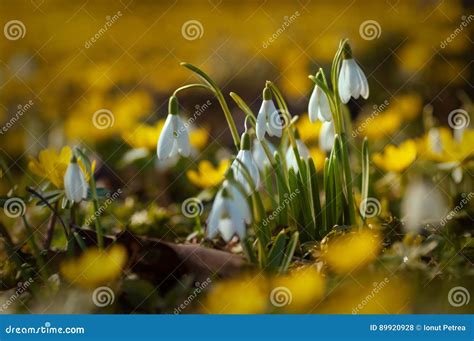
75	184
291	161
268	119
174	137
326	136
244	158
229	213
318	106
352	81
434	139
259	155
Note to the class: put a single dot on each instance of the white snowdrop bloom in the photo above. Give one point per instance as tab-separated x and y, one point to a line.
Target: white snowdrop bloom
318	106
422	203
326	136
268	118
246	159
174	137
434	139
291	161
352	81
229	213
75	184
259	155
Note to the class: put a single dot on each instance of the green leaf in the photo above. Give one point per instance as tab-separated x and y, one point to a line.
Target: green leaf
276	254
365	174
289	252
316	202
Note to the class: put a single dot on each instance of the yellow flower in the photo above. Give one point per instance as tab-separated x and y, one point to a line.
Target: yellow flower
409	106
95	267
301	289
380	126
52	165
451	149
309	132
351	251
396	159
207	175
146	136
318	157
248	295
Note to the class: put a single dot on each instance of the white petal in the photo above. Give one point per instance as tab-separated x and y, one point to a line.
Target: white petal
75	185
343	82
434	140
259	155
239	200
302	149
313	105
213	221
182	137
227	229
261	122
249	162
237	218
291	159
326	137
457	175
166	139
275	123
364	85
353	77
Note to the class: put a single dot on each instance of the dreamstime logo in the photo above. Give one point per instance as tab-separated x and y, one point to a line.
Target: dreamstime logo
287	21
192	207
14	207
103	296
103	119
278	120
14	30
377	110
459	119
378	286
192	30
281	296
462	203
22	109
199	288
458	296
97	213
110	20
370	207
464	23
281	207
370	30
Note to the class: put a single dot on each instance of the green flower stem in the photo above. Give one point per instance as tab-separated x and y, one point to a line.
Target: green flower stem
220	97
190	86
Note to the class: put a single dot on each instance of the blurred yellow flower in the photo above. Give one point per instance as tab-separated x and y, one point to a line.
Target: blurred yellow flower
95	267
447	148
409	106
52	165
309	132
207	175
396	159
351	251
379	126
301	289
415	56
247	295
146	136
318	157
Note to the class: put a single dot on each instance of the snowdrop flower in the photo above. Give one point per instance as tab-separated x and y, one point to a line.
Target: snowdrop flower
326	136
259	155
245	157
268	119
318	107
174	137
229	213
291	161
352	81
435	143
75	184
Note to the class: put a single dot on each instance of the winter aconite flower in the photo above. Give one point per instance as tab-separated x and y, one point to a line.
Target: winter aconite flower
352	81
326	136
396	159
244	163
174	138
229	214
207	175
268	119
75	184
318	107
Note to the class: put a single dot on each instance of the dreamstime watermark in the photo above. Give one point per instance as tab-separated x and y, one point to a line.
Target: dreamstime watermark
459	119
21	288
110	20
14	207
370	207
14	30
462	203
192	30
464	23
459	296
287	21
103	119
280	297
281	207
377	109
22	109
378	286
46	329
199	110
110	199
199	288
370	30
192	207
103	296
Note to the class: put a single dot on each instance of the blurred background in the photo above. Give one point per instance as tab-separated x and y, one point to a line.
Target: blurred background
62	62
